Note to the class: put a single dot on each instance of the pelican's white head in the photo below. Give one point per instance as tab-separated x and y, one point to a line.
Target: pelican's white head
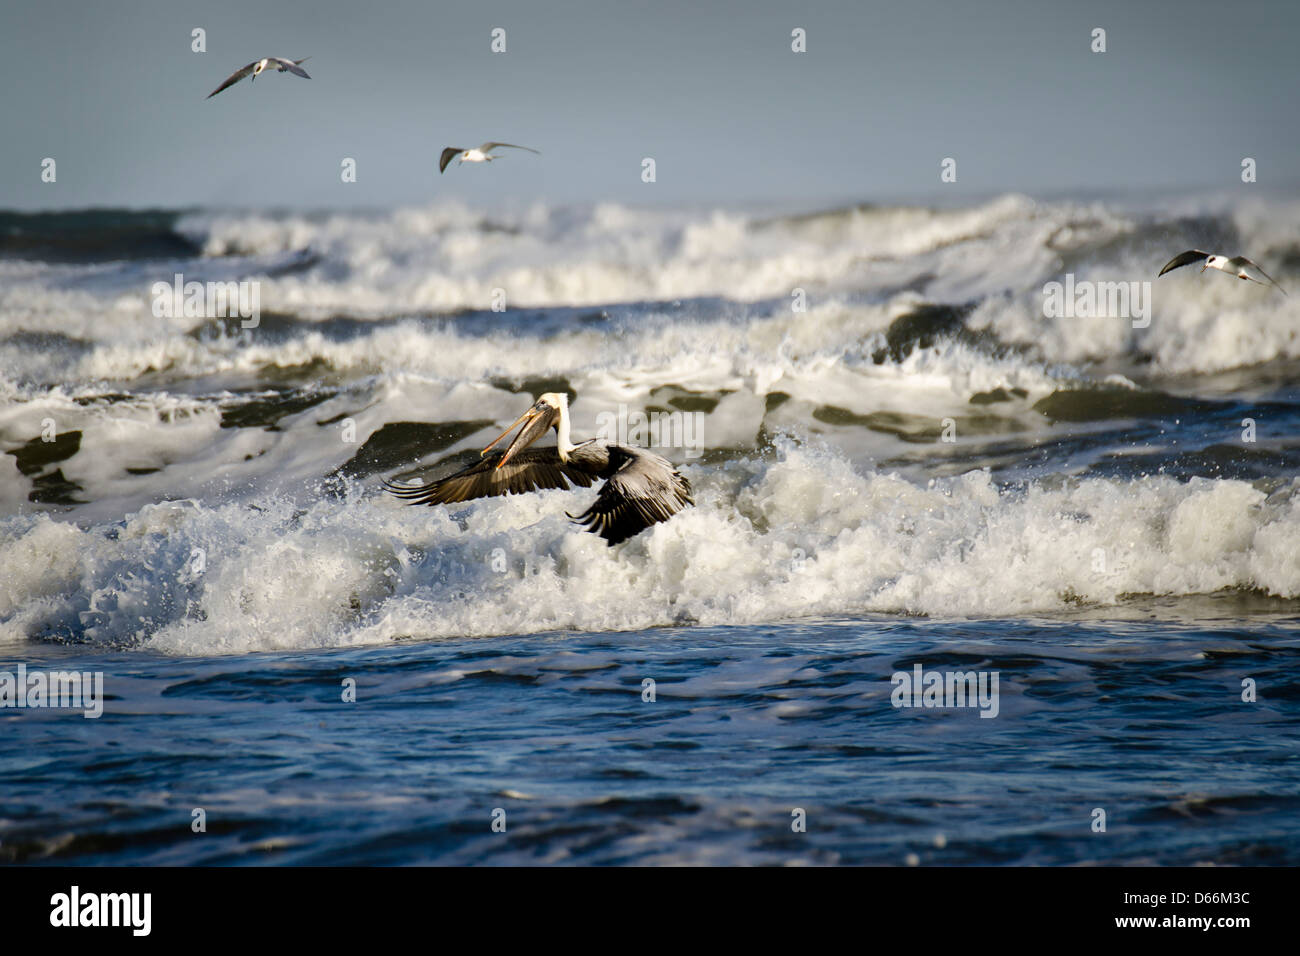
557	400
1212	262
551	410
261	65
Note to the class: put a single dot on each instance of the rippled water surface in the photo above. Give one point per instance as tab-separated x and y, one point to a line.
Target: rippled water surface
1141	718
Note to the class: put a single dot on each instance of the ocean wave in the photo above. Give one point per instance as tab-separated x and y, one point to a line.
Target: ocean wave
799	533
736	266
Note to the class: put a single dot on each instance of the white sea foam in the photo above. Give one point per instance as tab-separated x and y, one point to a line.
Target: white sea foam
801	534
445	258
413	371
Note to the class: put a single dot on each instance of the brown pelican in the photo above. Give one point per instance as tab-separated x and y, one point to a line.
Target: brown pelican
277	63
1238	266
479	154
641	488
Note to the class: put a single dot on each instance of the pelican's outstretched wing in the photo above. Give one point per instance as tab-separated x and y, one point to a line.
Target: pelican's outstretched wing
1245	269
642	489
234	78
448	154
532	469
1184	259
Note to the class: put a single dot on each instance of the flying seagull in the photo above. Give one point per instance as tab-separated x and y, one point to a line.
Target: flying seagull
641	489
277	63
481	154
1238	266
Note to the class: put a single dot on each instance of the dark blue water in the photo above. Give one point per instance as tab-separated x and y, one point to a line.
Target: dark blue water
1142	718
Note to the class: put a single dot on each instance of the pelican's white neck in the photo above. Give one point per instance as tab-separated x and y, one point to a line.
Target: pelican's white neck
562	431
560	402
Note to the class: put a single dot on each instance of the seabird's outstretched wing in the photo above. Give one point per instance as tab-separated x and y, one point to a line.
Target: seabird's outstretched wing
488	147
533	469
1184	259
642	490
448	154
291	65
234	78
1245	269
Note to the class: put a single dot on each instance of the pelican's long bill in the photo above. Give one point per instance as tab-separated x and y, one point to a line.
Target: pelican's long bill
535	421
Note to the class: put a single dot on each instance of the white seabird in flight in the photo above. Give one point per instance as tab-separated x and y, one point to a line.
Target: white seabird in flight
480	154
277	63
1238	266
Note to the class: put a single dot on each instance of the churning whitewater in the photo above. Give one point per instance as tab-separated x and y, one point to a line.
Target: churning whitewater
887	419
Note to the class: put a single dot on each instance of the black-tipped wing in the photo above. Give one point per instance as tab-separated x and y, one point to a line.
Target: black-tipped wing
533	469
488	147
234	78
642	489
448	154
1184	259
1245	269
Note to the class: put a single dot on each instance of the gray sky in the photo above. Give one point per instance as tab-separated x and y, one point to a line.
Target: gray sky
711	90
